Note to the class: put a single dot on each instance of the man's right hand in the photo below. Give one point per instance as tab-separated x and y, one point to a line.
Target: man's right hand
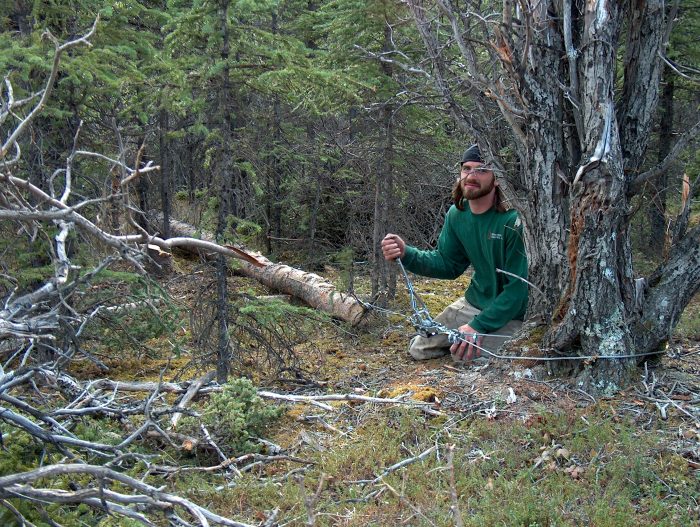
393	247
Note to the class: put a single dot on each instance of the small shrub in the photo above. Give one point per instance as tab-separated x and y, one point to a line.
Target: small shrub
182	195
245	229
237	415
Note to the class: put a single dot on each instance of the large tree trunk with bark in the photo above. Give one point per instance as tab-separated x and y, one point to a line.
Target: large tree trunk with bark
596	307
568	148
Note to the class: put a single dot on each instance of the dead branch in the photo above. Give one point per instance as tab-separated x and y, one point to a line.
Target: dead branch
35	430
124	243
11	104
311	501
406	502
60	48
231	462
403	463
19	318
145	496
137	386
688	137
318	400
189	395
454	497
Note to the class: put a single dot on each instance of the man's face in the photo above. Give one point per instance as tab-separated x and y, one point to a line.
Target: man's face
476	180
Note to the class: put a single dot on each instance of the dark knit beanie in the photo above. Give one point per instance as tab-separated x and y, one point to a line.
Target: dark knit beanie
472	154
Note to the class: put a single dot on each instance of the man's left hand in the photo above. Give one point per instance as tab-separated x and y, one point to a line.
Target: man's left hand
469	347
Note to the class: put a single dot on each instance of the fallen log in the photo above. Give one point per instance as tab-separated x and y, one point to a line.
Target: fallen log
311	288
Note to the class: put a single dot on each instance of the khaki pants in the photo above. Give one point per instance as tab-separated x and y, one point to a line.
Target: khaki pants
455	315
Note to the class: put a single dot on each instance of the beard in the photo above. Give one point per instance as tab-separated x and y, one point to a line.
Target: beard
470	193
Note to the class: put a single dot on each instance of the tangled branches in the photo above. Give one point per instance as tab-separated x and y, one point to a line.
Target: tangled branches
55	455
264	334
107	487
107	492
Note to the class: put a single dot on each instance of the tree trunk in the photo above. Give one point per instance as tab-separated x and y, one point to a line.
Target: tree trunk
313	214
20	15
165	172
317	175
382	198
658	224
596	306
223	349
542	151
382	288
223	353
142	192
189	170
670	289
273	196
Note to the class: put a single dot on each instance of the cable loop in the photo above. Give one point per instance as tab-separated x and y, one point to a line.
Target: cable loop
427	327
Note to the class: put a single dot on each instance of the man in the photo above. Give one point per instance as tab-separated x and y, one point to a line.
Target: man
478	231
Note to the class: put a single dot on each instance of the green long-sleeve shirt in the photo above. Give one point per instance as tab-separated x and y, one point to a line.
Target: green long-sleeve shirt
488	241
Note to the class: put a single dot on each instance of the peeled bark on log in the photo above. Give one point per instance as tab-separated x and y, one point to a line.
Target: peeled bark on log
312	289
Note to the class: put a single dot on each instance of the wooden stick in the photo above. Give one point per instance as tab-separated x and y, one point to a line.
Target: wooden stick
189	395
454	508
316	399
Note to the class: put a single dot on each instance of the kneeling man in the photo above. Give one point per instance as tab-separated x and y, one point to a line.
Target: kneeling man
479	231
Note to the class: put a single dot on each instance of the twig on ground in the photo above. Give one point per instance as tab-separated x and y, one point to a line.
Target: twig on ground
310	502
395	467
190	395
271	520
407	503
454	498
209	440
230	463
318	399
405	462
680	408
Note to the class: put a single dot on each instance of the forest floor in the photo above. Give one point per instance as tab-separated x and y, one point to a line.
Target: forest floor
501	443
